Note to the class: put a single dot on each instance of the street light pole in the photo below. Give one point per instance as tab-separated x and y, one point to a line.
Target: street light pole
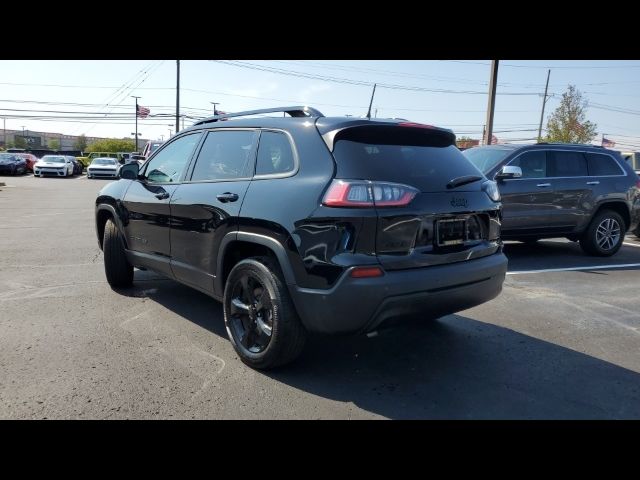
177	95
544	101
133	96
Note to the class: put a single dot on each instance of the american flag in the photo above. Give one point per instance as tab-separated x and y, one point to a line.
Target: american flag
608	143
143	112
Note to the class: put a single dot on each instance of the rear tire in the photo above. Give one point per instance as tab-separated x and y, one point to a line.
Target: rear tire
604	235
117	268
259	315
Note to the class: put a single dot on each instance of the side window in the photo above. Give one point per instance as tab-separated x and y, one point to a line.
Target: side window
225	155
600	165
568	164
274	154
533	164
168	164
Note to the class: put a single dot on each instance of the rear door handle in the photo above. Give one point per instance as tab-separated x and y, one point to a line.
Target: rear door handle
543	185
593	183
162	196
227	197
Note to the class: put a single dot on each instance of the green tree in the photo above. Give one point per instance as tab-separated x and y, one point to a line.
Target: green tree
568	123
54	144
80	143
112	145
20	142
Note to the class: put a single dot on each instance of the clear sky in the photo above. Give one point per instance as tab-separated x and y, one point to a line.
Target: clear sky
94	97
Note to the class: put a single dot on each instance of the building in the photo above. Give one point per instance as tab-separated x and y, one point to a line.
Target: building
40	140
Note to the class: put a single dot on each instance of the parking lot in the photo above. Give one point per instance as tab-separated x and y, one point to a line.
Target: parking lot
561	341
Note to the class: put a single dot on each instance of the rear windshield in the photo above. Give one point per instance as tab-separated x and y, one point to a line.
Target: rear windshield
426	168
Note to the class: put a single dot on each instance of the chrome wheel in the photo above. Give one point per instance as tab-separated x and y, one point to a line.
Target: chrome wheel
251	314
608	233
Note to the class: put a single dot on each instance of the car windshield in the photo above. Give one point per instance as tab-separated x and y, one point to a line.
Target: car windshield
104	161
485	158
53	159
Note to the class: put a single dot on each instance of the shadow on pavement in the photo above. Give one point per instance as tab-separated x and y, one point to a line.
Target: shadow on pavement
455	367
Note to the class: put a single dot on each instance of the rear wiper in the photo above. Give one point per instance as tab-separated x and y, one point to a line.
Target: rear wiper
459	181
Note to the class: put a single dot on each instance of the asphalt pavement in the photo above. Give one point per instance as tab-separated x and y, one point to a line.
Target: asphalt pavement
561	342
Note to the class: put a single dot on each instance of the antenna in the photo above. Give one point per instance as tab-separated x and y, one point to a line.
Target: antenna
371	102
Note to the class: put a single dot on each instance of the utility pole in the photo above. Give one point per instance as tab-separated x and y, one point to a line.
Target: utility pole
492	100
4	132
544	101
133	96
177	96
215	111
371	102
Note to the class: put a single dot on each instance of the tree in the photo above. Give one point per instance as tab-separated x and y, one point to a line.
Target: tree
20	142
112	145
466	142
54	144
568	123
80	143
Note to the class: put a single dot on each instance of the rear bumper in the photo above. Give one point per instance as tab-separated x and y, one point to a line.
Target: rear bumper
363	305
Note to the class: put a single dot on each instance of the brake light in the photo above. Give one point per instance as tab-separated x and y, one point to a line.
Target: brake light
366	272
363	193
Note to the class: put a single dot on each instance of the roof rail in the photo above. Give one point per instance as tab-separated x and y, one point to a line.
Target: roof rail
296	111
570	144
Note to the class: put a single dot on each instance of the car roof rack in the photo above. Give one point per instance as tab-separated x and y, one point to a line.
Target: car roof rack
571	144
295	111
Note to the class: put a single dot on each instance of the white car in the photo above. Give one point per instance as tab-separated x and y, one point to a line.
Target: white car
103	167
57	165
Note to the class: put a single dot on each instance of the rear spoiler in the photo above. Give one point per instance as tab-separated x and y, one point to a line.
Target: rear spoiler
404	133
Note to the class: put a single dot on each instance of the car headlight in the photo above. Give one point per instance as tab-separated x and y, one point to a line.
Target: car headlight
491	189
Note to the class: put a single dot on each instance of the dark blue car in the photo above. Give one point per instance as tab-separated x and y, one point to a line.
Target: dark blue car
11	164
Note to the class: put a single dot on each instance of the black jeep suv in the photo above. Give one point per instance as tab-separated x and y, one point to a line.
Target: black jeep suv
307	224
583	192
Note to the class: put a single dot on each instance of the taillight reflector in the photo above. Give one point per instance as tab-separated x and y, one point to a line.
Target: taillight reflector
366	272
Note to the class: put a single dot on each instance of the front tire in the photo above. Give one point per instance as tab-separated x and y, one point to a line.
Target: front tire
605	234
117	268
259	315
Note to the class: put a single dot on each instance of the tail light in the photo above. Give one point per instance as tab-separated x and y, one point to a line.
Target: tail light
366	194
366	272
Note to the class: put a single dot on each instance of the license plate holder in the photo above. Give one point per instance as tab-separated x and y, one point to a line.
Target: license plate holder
451	231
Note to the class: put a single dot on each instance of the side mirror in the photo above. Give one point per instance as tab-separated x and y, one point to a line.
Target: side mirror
509	171
129	171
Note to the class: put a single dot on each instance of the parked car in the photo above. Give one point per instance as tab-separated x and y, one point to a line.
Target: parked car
30	158
150	147
583	192
103	168
77	166
290	222
56	165
12	164
86	161
633	159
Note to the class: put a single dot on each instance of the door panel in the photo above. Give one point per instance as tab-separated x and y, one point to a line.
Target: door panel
147	222
526	206
206	208
572	193
527	201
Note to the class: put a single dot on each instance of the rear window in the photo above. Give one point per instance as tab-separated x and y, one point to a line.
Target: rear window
568	164
426	168
601	165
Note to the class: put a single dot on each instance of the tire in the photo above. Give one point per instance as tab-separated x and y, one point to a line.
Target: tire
606	224
282	336
117	268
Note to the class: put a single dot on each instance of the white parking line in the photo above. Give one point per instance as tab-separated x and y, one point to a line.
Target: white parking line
631	244
592	267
